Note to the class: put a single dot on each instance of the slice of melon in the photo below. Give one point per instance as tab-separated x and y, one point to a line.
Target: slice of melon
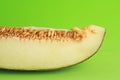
33	48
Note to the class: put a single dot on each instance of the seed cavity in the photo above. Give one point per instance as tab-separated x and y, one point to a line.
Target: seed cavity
76	34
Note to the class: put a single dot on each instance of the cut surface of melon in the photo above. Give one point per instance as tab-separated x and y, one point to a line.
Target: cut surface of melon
33	54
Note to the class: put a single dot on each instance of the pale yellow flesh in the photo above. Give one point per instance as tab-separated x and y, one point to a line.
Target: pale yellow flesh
41	55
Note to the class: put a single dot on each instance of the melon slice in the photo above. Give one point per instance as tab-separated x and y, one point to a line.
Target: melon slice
32	48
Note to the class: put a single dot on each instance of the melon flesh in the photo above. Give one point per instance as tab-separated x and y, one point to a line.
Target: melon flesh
46	55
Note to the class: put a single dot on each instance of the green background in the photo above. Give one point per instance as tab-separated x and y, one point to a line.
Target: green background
105	65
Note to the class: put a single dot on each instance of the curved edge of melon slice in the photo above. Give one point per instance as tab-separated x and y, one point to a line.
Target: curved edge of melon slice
97	29
34	55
